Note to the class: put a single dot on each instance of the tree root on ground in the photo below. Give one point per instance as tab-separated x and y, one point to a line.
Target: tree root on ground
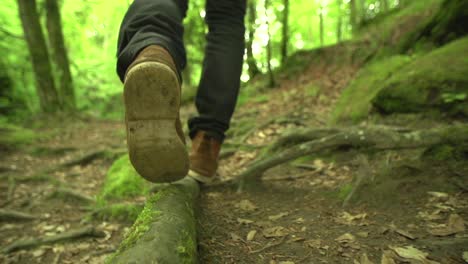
376	138
10	215
88	231
67	193
165	231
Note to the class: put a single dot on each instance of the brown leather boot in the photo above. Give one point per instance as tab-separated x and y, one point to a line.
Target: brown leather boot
155	139
204	157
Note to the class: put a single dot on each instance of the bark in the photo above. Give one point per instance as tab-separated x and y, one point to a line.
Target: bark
339	23
165	231
377	138
384	5
251	62
285	32
271	79
353	15
45	86
321	26
59	55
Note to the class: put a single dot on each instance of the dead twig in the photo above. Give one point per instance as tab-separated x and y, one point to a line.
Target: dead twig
88	231
268	246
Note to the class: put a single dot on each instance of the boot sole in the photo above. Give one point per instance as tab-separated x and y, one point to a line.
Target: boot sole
200	178
152	101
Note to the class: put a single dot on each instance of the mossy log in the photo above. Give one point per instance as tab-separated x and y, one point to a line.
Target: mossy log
165	231
369	138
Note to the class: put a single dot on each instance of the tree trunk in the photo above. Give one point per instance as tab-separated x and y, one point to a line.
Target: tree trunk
362	11
339	23
59	55
251	62
271	82
48	96
384	5
353	15
321	26
285	31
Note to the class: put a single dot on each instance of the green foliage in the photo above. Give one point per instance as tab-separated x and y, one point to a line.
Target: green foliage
12	136
354	103
122	181
91	29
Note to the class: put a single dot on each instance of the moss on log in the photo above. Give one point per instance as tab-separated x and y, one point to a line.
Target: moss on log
165	231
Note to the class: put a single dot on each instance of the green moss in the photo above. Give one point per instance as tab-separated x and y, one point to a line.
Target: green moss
15	136
355	102
122	181
141	225
312	90
120	211
438	80
187	248
344	191
447	152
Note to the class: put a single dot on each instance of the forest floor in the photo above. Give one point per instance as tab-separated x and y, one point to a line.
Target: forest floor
297	215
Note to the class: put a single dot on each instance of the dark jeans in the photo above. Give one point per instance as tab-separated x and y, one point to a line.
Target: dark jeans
159	22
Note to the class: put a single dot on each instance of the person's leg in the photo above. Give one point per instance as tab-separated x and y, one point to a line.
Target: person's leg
150	57
219	85
151	22
222	67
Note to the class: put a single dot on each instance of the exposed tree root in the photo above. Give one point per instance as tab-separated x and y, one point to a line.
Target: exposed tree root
165	231
67	193
90	156
363	172
73	234
375	138
10	215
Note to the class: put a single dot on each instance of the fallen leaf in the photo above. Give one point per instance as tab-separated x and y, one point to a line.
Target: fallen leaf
296	239
251	235
277	231
438	196
244	221
387	257
299	220
402	232
455	224
410	253
235	237
465	256
38	253
363	234
435	215
246	205
346	238
365	259
314	243
349	219
286	262
278	216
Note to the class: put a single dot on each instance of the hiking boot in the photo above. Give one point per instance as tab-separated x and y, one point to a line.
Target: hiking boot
204	157
155	140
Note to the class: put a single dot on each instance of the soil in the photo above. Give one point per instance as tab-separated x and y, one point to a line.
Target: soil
294	215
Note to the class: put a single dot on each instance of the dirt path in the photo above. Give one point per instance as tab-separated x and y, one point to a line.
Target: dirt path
296	216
